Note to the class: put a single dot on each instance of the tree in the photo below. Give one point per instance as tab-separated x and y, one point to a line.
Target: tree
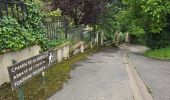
153	13
107	21
81	11
153	16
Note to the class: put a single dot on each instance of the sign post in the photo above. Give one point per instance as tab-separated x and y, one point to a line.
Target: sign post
21	93
25	70
43	78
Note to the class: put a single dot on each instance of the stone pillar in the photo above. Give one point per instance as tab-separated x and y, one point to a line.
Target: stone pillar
59	55
91	45
82	48
127	38
97	38
67	49
102	36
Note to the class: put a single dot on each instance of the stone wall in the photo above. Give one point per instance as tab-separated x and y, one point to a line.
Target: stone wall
7	58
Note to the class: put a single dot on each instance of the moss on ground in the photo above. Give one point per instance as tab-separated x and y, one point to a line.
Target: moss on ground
161	54
55	77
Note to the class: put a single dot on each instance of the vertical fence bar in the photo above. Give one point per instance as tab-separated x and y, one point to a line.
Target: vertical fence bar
54	29
6	7
65	28
12	10
17	6
1	8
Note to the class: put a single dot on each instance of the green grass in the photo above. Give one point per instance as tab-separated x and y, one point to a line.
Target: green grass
162	54
55	77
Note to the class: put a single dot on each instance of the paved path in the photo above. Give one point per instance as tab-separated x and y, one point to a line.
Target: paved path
101	77
156	75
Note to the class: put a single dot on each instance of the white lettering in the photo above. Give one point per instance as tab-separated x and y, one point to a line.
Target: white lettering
22	80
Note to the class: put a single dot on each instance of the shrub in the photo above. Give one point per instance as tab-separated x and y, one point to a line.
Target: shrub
157	40
13	36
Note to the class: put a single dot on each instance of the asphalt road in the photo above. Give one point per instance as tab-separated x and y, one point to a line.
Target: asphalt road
155	74
101	77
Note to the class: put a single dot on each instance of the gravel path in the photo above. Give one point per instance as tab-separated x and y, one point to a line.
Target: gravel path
155	74
101	77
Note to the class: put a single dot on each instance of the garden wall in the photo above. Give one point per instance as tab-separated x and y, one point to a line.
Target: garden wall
6	60
61	52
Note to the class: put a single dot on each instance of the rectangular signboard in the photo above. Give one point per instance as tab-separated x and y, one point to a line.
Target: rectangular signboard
23	71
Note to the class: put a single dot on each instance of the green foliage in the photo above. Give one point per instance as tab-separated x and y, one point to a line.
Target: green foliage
35	18
155	13
55	13
158	40
161	54
130	18
16	36
54	43
107	20
122	37
126	21
148	17
118	18
13	36
34	24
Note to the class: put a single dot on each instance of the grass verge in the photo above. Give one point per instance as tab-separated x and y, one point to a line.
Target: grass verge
160	54
55	77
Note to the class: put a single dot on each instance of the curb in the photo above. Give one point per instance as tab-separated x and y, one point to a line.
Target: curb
138	87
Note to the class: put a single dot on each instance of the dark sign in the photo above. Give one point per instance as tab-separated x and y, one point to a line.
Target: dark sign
23	71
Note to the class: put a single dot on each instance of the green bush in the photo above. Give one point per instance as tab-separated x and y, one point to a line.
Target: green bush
13	36
16	35
56	13
157	40
138	39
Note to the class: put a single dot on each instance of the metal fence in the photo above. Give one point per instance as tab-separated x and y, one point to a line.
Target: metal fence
55	28
74	34
79	33
14	8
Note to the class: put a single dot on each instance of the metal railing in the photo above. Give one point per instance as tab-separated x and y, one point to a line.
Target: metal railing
55	28
15	8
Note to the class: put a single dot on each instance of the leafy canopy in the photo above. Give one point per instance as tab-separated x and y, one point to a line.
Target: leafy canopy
81	11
